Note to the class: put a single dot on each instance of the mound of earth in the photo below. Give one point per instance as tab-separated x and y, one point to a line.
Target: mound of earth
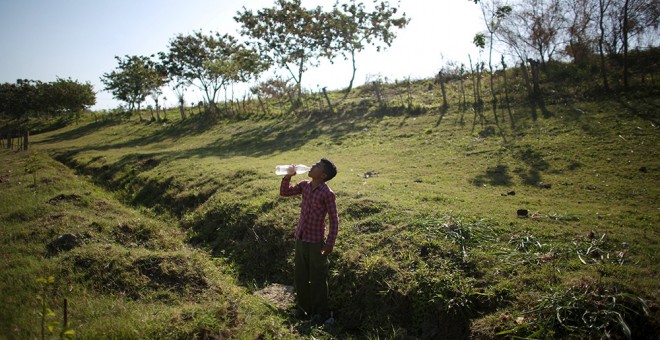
278	295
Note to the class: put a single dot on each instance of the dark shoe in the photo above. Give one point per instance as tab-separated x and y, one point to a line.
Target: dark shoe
299	314
329	322
317	320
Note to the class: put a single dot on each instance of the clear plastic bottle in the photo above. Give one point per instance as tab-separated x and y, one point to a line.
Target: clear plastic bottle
284	169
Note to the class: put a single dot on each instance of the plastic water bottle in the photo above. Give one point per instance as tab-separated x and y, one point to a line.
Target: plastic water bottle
284	169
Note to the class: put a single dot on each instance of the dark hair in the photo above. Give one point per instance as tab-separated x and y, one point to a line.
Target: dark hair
329	169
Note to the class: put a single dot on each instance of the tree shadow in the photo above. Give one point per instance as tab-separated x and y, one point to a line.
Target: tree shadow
443	112
650	112
78	132
536	164
497	176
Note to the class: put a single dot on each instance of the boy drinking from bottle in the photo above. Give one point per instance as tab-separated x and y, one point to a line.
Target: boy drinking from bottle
312	245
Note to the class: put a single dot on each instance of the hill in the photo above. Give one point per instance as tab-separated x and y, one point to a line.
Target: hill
451	225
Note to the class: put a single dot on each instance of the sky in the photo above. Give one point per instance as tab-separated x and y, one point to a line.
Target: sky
79	39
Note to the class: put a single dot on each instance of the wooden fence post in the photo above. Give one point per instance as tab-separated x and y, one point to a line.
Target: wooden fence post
26	137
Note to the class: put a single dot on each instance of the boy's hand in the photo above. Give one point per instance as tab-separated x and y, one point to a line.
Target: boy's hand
292	170
326	250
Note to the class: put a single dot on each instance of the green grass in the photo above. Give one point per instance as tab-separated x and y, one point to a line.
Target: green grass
180	220
128	276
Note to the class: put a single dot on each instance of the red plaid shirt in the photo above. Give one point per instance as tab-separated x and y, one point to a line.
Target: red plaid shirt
315	205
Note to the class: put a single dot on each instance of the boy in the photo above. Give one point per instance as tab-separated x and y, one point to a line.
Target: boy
312	247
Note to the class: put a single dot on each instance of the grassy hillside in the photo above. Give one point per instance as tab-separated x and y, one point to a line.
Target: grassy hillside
431	242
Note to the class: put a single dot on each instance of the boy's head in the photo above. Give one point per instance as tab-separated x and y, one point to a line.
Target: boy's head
329	169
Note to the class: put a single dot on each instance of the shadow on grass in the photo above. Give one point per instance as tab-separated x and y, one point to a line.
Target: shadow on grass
536	165
497	176
78	132
280	135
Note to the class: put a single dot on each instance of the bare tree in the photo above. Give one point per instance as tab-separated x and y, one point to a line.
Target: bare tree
533	29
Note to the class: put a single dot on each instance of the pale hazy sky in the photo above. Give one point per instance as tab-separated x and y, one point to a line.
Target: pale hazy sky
78	39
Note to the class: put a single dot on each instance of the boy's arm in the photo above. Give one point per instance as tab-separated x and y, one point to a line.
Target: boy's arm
286	189
333	216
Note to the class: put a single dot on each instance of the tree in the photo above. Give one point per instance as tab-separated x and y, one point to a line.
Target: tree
580	29
636	17
533	29
69	97
493	14
352	28
211	62
20	99
177	81
135	78
288	34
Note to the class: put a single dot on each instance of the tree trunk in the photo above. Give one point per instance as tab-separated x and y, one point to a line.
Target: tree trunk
528	86
492	80
441	79
463	105
625	44
26	137
263	107
492	93
350	84
601	42
538	96
378	95
327	99
506	95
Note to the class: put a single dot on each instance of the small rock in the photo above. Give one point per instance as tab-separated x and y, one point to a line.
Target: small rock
523	212
64	242
544	185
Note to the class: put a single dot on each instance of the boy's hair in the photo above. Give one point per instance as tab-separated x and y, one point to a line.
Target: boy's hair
329	169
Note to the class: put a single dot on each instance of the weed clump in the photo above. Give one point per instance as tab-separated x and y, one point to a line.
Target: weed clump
138	274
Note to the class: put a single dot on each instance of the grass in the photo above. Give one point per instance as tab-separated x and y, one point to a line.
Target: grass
179	221
127	275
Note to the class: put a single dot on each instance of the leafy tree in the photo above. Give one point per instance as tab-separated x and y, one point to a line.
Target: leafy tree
69	96
288	34
18	100
210	62
352	29
26	97
135	78
177	82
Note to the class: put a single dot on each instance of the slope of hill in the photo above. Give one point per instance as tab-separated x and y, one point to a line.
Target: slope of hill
451	226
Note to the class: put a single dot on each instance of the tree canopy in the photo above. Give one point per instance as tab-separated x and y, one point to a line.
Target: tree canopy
135	78
210	62
297	38
288	34
26	98
352	28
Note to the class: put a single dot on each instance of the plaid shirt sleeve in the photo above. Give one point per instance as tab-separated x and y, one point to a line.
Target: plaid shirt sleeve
287	190
333	216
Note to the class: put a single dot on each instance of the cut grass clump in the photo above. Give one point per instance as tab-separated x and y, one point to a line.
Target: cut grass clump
138	274
588	310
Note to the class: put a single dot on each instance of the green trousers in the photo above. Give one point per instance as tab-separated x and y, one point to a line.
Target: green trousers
311	278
